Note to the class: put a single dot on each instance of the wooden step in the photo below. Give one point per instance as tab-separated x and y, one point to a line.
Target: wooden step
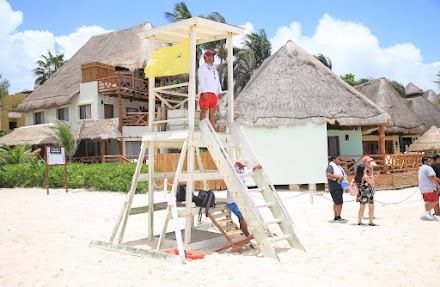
229	226
219	215
217	209
279	238
234	232
223	221
275	221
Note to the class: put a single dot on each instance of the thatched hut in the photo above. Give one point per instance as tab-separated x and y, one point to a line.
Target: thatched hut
404	122
426	110
430	140
431	96
37	135
294	110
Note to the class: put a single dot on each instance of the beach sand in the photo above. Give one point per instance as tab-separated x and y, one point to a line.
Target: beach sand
44	242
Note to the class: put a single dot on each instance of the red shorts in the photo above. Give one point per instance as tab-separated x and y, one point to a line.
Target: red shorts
430	197
211	102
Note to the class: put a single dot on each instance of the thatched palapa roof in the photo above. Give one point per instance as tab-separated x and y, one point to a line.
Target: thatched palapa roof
431	96
412	89
34	135
101	130
125	48
426	110
292	87
403	119
430	140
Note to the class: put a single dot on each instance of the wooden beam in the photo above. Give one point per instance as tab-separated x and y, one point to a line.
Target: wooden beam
382	139
103	150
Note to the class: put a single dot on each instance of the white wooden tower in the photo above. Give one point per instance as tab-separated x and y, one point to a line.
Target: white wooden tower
225	149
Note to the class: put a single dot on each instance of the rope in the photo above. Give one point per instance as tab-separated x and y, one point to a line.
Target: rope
397	202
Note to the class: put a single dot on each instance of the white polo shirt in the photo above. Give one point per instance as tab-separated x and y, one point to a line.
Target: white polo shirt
208	80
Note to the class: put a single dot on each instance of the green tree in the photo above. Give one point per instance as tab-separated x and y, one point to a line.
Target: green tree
180	12
4	89
19	154
258	45
325	60
400	89
47	67
244	66
349	78
63	135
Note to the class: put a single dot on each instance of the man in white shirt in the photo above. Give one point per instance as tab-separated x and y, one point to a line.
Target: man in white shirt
209	87
427	184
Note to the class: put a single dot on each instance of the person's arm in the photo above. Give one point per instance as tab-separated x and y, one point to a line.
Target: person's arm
202	75
435	181
332	176
368	179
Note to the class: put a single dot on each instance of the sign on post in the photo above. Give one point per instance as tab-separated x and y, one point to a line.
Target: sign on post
55	155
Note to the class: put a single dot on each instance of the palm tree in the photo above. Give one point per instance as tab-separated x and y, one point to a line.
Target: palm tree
47	67
4	89
65	137
258	45
244	66
19	154
438	82
180	12
325	60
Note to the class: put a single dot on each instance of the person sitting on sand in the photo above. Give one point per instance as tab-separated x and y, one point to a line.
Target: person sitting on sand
366	195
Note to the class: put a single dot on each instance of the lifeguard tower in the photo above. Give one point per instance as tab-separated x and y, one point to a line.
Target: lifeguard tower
268	227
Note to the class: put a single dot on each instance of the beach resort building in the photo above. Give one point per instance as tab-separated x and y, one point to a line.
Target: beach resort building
295	112
405	125
418	101
10	118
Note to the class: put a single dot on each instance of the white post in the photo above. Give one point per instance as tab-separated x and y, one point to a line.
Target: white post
230	80
312	188
189	222
151	116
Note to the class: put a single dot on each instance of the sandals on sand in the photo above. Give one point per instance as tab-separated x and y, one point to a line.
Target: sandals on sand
373	224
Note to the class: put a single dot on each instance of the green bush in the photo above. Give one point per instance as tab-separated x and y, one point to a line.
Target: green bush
105	176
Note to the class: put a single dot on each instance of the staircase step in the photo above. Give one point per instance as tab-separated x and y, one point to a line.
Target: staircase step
217	209
279	238
229	226
234	232
224	221
219	215
275	221
264	205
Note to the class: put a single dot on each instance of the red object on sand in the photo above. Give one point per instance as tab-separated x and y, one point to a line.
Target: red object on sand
190	254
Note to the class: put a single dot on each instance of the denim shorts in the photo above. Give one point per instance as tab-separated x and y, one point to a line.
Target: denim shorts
234	208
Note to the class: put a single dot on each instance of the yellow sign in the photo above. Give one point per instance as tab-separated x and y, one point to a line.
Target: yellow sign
169	61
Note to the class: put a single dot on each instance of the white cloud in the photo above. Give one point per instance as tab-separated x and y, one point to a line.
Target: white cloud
237	41
354	49
20	50
71	43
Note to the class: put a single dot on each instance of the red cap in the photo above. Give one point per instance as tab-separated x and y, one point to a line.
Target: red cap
239	164
207	53
367	158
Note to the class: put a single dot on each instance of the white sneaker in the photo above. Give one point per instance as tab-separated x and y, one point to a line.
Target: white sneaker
427	216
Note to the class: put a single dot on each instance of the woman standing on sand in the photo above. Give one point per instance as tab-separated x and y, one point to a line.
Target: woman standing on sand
365	195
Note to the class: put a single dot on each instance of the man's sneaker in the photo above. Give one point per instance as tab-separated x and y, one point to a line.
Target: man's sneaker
427	216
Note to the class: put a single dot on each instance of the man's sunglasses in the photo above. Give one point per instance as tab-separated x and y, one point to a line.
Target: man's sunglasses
211	56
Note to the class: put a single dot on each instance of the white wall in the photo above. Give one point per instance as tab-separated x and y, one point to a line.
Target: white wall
291	155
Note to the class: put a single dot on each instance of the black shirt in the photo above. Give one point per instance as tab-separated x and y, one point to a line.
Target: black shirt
436	167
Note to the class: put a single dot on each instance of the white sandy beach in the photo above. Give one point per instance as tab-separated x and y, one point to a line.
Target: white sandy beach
44	242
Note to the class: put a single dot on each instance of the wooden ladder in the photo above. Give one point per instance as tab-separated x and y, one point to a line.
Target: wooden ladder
220	217
257	223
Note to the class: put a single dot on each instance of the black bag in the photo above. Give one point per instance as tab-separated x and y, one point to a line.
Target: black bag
181	195
207	199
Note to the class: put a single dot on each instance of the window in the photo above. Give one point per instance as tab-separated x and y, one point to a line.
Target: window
63	114
85	112
39	118
133	148
12	125
132	110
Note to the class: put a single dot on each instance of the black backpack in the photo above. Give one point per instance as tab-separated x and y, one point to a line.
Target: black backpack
181	195
207	199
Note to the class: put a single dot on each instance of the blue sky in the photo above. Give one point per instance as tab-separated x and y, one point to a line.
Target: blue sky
395	39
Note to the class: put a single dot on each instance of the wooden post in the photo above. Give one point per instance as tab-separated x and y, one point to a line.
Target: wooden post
230	80
103	150
382	139
47	171
118	79
189	221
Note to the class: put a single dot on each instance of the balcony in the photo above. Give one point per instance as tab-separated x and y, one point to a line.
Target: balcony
127	87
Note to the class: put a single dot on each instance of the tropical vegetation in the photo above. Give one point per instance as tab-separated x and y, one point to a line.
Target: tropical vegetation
64	136
18	155
4	89
325	60
349	78
47	67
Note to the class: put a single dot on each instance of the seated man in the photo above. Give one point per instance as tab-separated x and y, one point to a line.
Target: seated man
239	167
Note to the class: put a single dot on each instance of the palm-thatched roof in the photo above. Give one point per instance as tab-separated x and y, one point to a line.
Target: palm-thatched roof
412	89
292	87
426	110
431	96
125	48
101	130
430	140
403	119
34	135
